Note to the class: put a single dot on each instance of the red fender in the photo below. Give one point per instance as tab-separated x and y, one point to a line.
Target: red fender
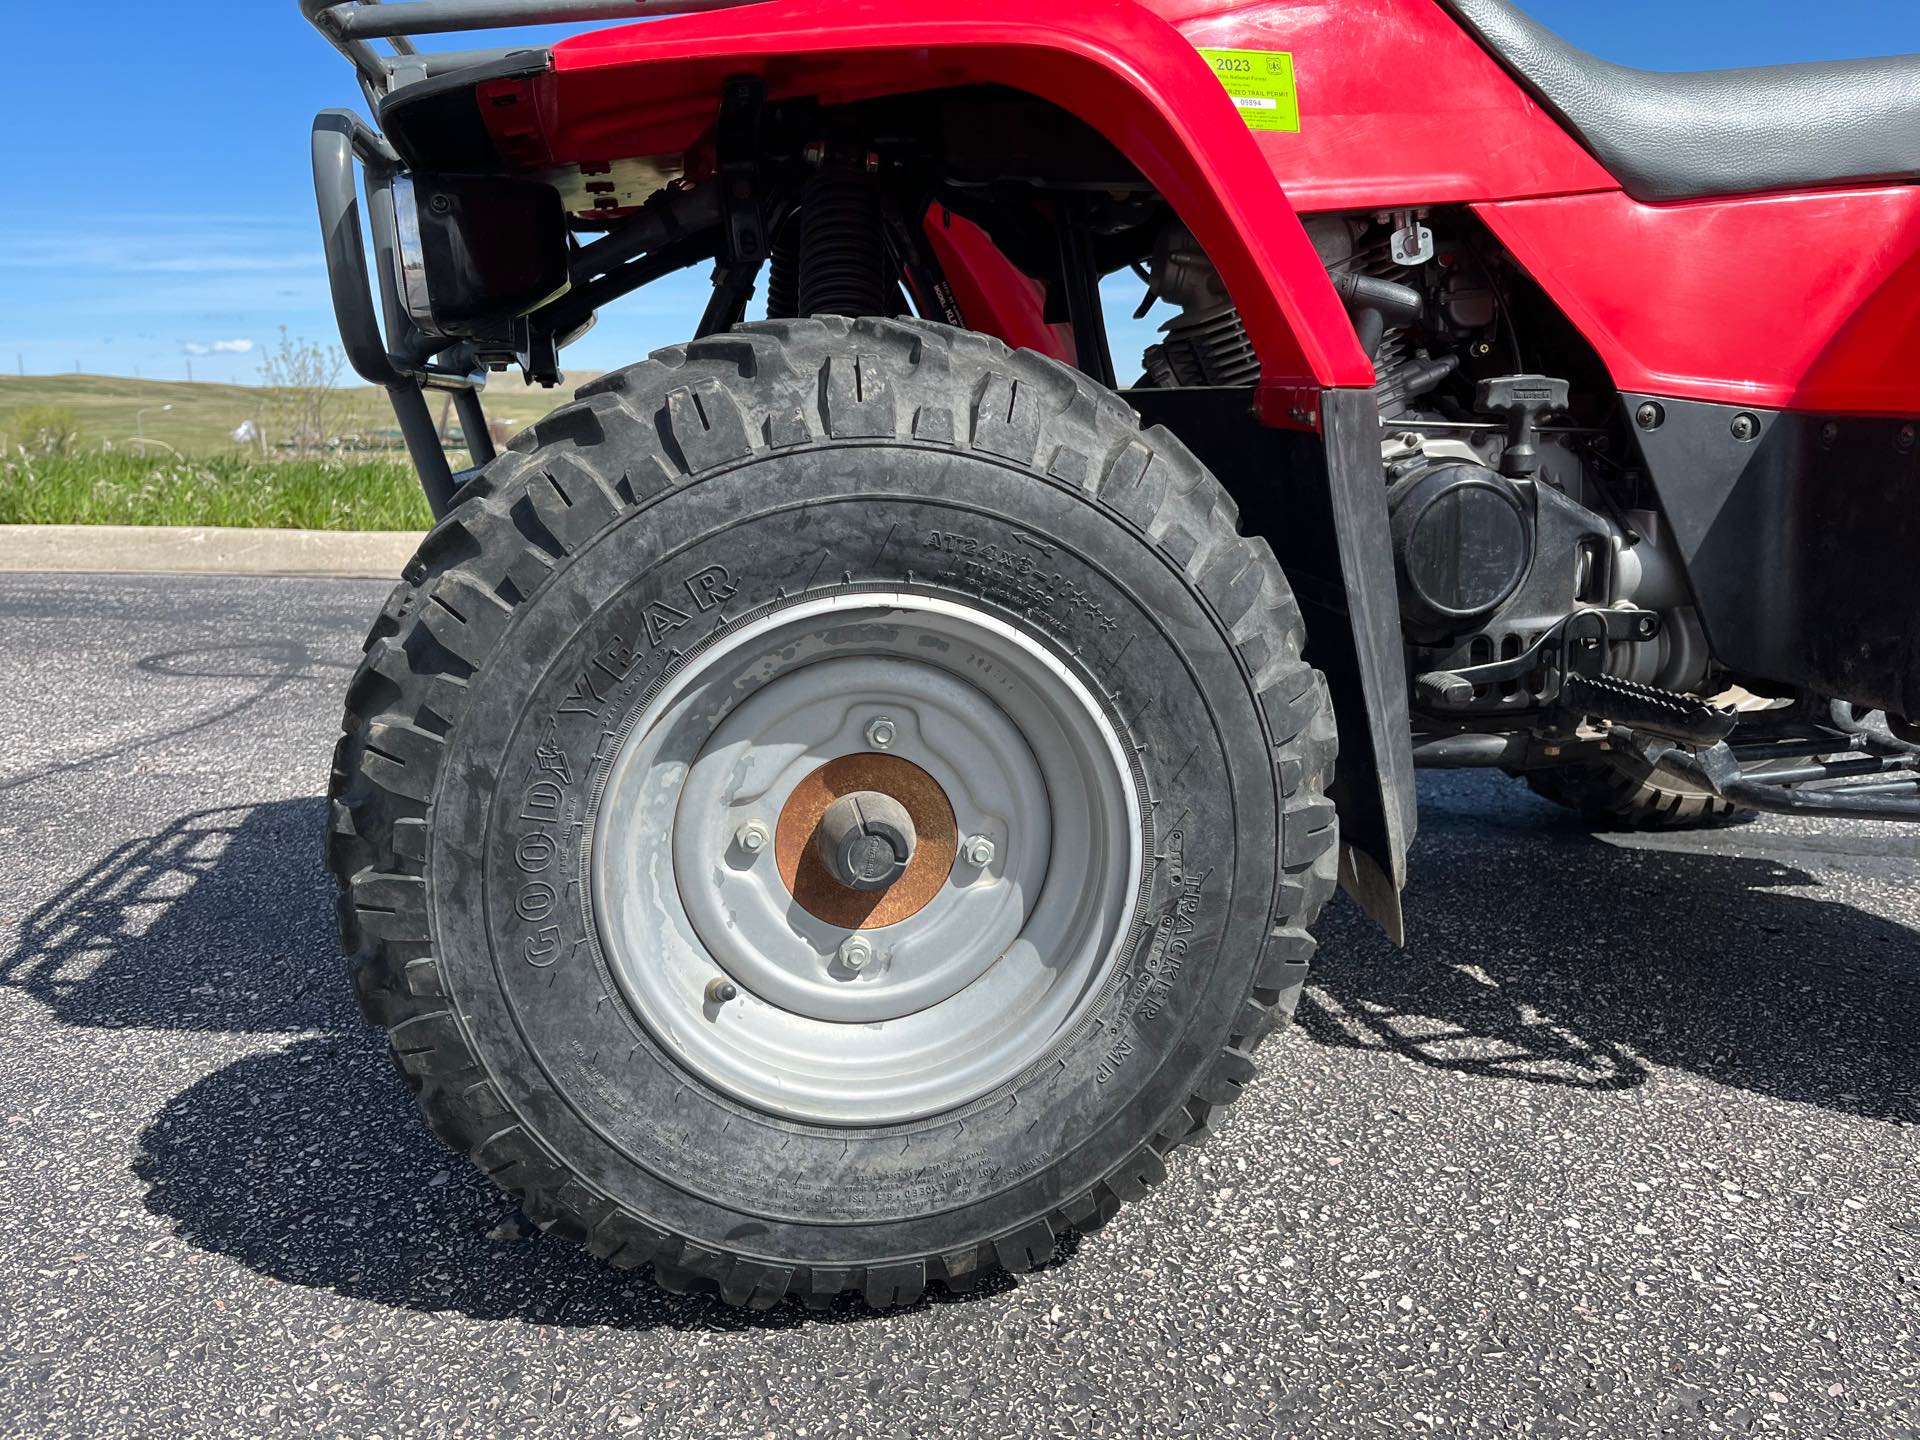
652	88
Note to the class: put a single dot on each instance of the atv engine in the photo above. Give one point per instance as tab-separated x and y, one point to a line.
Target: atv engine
1509	511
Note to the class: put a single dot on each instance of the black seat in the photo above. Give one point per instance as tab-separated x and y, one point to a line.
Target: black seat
1716	132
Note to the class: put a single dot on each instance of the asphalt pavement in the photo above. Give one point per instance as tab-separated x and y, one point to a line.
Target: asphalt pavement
1622	1144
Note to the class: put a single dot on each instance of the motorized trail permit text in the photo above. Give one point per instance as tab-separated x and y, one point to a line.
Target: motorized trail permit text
1261	84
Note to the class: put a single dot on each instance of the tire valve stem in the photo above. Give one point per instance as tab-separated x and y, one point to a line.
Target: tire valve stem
720	990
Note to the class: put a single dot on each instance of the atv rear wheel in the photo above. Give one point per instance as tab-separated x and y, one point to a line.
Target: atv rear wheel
942	604
1622	791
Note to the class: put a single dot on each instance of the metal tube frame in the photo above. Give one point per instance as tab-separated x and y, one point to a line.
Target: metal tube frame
396	356
351	27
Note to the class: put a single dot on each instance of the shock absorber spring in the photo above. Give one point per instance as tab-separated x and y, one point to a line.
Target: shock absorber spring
844	268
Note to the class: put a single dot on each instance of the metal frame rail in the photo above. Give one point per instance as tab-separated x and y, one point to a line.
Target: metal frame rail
351	27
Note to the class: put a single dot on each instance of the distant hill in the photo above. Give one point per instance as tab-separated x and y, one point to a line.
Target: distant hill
204	415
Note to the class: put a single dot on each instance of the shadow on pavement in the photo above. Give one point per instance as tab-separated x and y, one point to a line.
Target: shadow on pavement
1539	952
222	921
311	1165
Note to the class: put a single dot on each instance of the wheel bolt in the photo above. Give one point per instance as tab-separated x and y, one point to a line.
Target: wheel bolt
752	837
978	851
880	733
856	953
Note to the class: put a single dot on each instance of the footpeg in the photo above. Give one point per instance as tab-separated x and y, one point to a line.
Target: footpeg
1683	719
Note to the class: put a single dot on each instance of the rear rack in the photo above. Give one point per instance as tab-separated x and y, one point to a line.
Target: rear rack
352	27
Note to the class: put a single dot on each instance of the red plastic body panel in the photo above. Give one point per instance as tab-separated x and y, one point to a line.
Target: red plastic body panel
1398	106
650	88
1808	301
1803	301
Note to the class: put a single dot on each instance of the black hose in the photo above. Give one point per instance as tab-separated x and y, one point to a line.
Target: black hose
1377	306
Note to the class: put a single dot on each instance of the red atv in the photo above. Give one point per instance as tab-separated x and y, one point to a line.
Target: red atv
836	804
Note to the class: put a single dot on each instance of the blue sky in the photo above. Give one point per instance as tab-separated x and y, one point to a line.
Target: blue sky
156	210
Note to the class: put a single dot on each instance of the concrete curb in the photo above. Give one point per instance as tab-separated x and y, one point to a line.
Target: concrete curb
209	550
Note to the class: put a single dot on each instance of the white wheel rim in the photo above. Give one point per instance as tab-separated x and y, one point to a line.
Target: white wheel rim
957	998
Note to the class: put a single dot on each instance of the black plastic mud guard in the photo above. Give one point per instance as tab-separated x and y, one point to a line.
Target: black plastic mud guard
1799	533
1321	502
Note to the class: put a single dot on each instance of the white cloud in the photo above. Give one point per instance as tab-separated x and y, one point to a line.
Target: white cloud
217	347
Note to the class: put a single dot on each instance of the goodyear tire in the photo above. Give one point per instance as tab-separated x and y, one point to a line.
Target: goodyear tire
576	803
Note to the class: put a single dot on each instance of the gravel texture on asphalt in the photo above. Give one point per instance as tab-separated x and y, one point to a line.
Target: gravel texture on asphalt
1622	1144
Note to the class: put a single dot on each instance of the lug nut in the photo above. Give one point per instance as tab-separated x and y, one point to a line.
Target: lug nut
880	732
720	990
978	851
752	837
856	953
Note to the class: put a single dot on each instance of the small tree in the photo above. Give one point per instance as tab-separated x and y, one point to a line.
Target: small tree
301	376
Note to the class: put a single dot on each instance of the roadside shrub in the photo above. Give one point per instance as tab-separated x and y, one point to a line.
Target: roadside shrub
302	382
44	431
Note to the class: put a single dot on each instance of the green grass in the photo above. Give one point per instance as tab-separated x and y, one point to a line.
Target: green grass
204	416
118	488
189	471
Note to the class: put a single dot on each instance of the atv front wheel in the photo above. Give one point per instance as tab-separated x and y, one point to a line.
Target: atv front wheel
831	810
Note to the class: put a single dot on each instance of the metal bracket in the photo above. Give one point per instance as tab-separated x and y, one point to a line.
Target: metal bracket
1578	645
743	102
743	220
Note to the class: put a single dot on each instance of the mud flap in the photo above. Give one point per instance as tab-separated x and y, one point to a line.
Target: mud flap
1321	502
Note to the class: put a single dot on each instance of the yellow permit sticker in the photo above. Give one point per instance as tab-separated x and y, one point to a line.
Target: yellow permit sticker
1260	82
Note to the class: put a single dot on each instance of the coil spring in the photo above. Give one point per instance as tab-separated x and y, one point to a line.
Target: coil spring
843	266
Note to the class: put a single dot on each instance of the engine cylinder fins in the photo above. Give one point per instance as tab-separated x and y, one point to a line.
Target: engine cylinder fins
1463	541
1203	347
1206	343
